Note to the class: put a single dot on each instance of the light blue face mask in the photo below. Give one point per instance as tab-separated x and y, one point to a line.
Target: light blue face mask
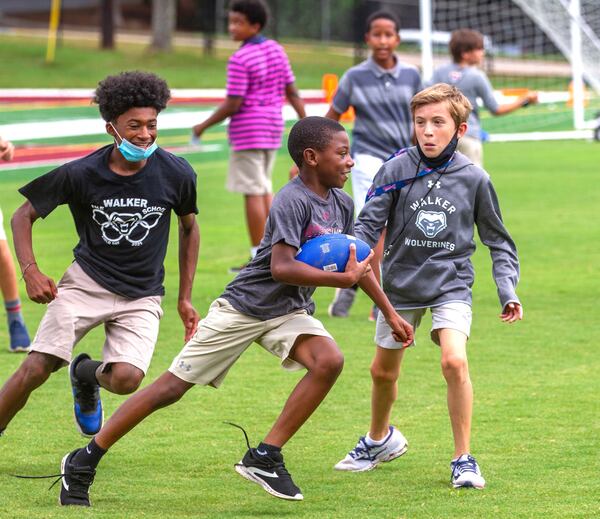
134	153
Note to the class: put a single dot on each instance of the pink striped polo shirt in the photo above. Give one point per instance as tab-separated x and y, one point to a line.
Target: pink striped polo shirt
259	72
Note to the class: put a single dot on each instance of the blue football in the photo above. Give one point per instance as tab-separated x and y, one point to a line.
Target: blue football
331	251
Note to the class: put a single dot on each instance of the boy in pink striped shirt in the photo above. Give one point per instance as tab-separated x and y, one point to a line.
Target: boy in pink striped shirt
259	75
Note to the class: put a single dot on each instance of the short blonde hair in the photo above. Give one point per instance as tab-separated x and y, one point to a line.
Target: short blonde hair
458	105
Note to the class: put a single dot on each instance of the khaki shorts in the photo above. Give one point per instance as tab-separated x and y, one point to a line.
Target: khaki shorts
131	325
472	148
224	334
455	316
250	171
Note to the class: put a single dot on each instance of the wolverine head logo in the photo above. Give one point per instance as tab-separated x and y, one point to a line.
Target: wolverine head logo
431	222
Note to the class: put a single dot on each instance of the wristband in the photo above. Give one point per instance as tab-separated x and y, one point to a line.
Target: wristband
26	267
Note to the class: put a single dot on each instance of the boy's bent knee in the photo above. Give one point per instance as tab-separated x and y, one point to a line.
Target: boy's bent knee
168	389
37	367
125	378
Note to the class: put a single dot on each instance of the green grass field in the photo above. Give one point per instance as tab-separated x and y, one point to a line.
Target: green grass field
536	430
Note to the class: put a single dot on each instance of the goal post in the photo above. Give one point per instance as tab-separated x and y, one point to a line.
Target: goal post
551	46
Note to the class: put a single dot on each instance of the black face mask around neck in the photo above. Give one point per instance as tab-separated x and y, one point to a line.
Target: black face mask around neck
442	158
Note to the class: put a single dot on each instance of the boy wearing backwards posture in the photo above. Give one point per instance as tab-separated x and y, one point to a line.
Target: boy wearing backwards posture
258	77
466	48
380	90
431	197
269	302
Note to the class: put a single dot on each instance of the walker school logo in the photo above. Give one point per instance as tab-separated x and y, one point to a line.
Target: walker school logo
431	222
132	227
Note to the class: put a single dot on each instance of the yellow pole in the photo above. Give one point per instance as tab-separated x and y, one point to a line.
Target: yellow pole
52	30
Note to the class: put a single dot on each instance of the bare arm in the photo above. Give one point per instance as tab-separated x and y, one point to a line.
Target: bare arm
401	330
189	244
332	114
7	150
293	97
286	269
40	288
529	98
226	109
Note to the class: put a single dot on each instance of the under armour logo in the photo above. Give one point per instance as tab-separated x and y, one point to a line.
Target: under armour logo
430	184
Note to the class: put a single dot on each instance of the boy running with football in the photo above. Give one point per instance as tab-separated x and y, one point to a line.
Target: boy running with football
269	303
432	197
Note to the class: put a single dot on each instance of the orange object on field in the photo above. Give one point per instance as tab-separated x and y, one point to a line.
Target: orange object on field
330	84
570	100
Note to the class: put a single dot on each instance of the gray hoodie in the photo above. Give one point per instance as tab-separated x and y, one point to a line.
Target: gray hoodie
430	226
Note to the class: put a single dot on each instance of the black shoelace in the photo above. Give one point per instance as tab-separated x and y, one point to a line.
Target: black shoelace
270	463
80	478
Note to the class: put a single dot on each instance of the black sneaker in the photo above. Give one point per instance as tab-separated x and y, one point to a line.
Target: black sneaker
89	415
75	482
270	473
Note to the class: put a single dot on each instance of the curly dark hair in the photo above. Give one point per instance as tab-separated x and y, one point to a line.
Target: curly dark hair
311	132
117	94
256	11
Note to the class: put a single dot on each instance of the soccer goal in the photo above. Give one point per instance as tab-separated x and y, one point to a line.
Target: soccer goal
551	46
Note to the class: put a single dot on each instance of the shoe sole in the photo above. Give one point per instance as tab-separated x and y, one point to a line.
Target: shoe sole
19	349
390	457
468	485
241	470
331	314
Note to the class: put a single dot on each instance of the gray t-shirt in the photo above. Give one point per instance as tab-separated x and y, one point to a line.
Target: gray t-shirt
474	84
381	101
430	232
297	214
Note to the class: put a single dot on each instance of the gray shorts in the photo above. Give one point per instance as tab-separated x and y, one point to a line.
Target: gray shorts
131	325
250	171
455	316
224	334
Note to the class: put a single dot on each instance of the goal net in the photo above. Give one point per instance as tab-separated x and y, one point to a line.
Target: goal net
532	45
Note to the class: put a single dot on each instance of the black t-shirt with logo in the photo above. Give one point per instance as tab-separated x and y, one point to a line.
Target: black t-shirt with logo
122	221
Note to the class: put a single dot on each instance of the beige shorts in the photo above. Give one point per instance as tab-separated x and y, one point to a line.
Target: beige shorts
455	316
131	325
472	148
250	171
224	334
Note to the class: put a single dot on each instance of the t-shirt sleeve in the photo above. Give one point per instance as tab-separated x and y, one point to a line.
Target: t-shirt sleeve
237	77
187	196
287	218
49	191
486	93
341	99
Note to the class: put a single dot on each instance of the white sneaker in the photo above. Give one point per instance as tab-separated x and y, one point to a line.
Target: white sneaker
366	457
466	473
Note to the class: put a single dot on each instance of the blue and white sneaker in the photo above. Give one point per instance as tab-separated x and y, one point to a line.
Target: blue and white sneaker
19	337
89	415
366	457
466	473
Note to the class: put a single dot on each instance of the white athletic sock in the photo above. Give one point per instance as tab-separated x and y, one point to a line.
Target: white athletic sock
373	442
